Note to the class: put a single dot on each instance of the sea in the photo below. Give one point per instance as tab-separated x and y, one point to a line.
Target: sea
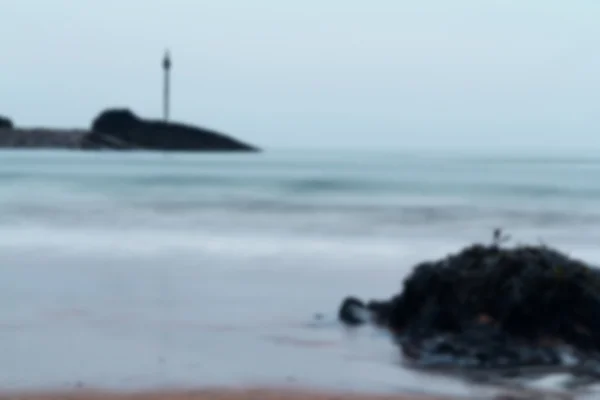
136	270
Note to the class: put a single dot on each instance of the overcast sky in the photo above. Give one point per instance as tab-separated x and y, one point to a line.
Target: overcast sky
316	73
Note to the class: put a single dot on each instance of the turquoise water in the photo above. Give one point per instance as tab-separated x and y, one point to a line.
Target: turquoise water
171	262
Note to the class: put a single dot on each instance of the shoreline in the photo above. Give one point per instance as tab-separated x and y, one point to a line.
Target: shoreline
42	138
215	393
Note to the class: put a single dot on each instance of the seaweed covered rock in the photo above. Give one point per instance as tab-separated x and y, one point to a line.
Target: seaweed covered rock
492	306
5	123
122	129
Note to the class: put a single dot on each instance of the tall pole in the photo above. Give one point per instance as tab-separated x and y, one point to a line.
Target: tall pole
166	64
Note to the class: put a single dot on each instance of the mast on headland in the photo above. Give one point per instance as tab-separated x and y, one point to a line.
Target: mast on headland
166	64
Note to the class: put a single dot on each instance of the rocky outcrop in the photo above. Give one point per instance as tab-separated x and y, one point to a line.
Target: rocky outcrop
5	123
489	307
122	129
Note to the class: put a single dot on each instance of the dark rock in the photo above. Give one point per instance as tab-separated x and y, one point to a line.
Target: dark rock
122	129
352	312
478	347
5	123
488	306
380	311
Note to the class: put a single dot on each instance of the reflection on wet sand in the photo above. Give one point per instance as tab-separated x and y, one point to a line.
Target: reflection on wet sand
221	394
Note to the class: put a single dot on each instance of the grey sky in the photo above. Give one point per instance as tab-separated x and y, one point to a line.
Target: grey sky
312	73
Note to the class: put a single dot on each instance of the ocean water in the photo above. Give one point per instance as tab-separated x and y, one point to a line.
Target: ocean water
134	270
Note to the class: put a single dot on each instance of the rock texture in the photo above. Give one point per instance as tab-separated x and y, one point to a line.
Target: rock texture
122	129
490	307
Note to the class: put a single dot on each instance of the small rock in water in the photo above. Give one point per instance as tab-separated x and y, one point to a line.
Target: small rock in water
353	312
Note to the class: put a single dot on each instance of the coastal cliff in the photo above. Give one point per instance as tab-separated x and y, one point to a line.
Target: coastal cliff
121	129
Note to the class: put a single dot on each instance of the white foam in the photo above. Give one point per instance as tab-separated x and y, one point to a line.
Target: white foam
201	242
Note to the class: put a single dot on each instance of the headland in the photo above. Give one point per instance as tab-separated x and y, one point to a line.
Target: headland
121	129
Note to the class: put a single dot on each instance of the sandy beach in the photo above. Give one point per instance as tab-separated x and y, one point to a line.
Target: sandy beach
132	273
215	394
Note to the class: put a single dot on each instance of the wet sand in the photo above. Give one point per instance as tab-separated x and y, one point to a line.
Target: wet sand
120	322
217	394
94	324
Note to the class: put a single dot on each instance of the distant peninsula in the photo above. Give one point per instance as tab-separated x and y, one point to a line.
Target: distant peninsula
122	129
